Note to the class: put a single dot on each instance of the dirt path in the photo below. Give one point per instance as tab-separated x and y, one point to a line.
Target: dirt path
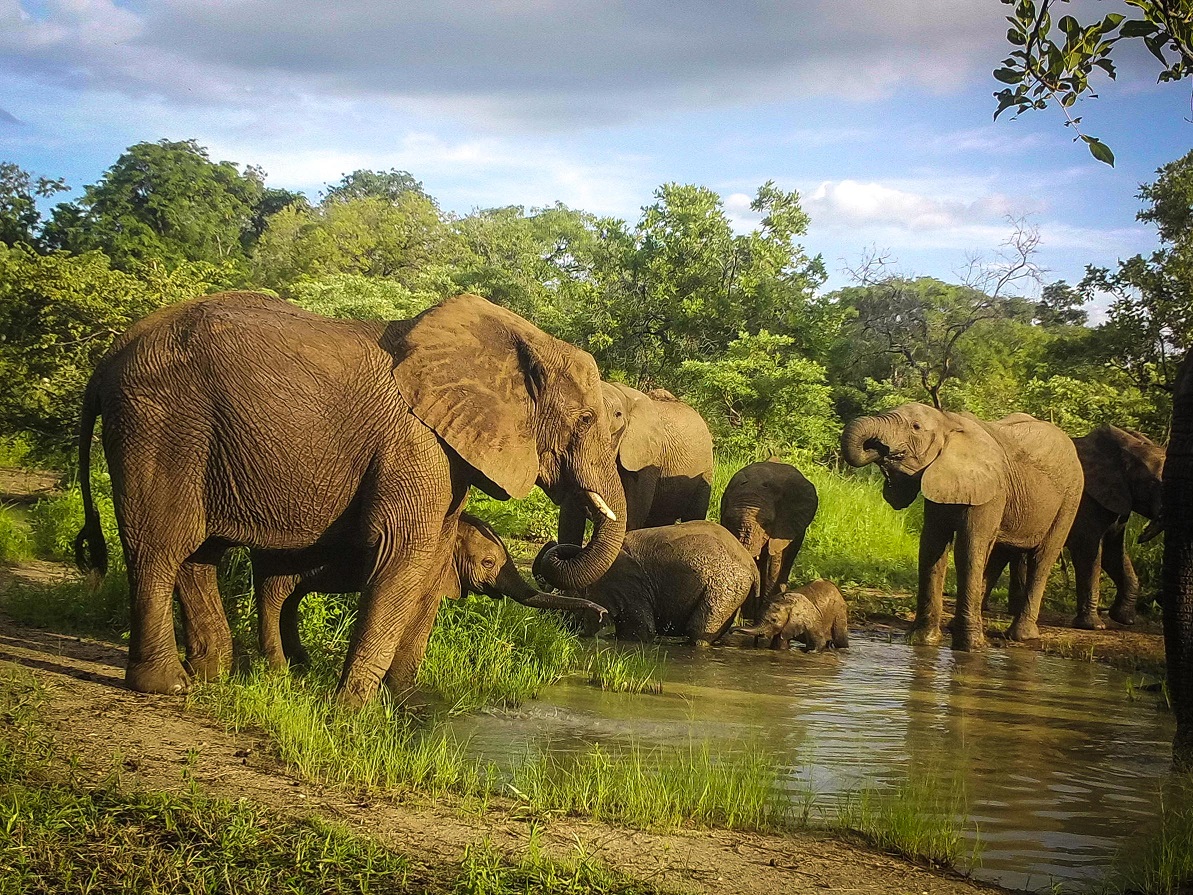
152	741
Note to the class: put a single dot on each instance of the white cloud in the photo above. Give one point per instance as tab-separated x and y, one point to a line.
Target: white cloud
848	203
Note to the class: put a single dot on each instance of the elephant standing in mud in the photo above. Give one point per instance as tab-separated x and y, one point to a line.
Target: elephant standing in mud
1013	485
241	419
664	461
768	506
687	579
1122	475
814	614
480	564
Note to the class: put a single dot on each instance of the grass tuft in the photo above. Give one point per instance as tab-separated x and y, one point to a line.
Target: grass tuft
919	818
1163	863
635	670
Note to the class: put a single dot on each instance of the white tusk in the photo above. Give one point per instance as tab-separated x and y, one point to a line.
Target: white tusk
599	503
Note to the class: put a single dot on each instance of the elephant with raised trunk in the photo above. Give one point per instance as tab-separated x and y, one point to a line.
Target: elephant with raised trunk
240	419
1011	485
814	614
664	461
685	580
480	565
768	506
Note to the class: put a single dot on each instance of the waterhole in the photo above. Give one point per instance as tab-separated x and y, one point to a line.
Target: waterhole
1059	762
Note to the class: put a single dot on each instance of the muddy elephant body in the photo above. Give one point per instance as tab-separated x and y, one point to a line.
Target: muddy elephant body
664	461
768	507
687	580
1011	486
240	419
814	614
481	564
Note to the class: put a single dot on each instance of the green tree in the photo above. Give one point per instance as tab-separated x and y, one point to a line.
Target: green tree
762	397
58	315
389	185
1054	63
165	203
20	219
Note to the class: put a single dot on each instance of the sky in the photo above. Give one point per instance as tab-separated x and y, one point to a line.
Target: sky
878	113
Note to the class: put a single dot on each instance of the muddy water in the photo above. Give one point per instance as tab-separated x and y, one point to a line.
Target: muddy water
1059	766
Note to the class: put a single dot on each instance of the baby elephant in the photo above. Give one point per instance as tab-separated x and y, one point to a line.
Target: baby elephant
480	564
687	579
813	614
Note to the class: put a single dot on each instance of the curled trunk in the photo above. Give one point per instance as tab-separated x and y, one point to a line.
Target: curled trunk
859	441
576	572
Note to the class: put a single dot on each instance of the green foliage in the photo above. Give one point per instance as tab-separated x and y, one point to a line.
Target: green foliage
15	543
919	818
634	670
58	315
20	219
1163	863
763	395
485	871
359	297
1055	65
165	203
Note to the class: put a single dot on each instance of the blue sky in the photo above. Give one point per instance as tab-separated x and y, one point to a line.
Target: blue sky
878	113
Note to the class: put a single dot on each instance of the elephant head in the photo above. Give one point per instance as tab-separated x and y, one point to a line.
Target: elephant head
483	565
635	426
1122	473
950	457
519	407
789	615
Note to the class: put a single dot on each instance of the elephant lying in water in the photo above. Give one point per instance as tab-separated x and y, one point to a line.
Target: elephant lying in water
814	614
687	579
1013	485
480	564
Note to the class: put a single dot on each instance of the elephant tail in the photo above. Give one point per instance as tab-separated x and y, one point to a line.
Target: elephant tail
91	551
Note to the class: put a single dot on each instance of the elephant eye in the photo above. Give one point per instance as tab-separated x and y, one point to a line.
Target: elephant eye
584	420
488	562
915	425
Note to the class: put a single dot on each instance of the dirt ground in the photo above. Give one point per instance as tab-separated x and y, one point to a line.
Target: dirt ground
150	740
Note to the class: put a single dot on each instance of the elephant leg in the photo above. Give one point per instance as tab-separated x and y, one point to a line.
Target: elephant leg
935	538
840	633
411	643
1017	585
636	622
770	567
640	488
790	551
999	557
696	507
296	654
1085	549
271	592
1122	573
970	556
1039	563
208	637
153	665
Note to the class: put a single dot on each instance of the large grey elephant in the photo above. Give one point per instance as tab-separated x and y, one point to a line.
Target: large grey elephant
768	506
1122	475
240	419
480	564
664	460
1014	484
687	579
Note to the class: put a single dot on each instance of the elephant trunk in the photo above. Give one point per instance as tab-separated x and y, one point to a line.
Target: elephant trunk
758	630
510	583
865	440
605	497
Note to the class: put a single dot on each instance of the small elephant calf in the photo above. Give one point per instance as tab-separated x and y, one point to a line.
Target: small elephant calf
813	614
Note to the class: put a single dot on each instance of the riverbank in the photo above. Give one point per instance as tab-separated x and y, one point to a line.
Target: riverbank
155	744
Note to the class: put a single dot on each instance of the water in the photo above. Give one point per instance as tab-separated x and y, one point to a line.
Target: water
1060	768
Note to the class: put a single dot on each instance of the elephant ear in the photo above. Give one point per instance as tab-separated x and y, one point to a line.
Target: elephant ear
469	369
1104	465
968	469
641	442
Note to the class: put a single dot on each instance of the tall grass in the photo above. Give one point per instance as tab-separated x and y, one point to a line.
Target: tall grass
919	818
1163	863
634	670
16	545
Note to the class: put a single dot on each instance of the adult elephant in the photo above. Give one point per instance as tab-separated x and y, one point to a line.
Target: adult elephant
664	461
1014	484
768	506
240	419
687	579
480	564
1178	565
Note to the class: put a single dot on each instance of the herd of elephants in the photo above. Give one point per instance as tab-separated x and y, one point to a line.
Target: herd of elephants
341	453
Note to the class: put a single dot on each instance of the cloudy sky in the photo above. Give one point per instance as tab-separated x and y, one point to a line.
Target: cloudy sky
878	112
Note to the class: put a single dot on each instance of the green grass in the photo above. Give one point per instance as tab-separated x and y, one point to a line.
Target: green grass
1162	864
637	669
16	545
920	818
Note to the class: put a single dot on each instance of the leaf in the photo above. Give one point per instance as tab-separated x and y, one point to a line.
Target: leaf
1099	150
1138	28
1008	75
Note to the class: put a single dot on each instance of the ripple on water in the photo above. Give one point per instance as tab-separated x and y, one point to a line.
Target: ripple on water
1059	766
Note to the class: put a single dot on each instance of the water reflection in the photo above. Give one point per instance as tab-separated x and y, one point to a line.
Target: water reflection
1058	765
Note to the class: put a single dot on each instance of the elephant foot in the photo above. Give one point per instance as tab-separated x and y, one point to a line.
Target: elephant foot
967	640
1122	615
1088	623
157	677
928	633
209	666
1021	631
